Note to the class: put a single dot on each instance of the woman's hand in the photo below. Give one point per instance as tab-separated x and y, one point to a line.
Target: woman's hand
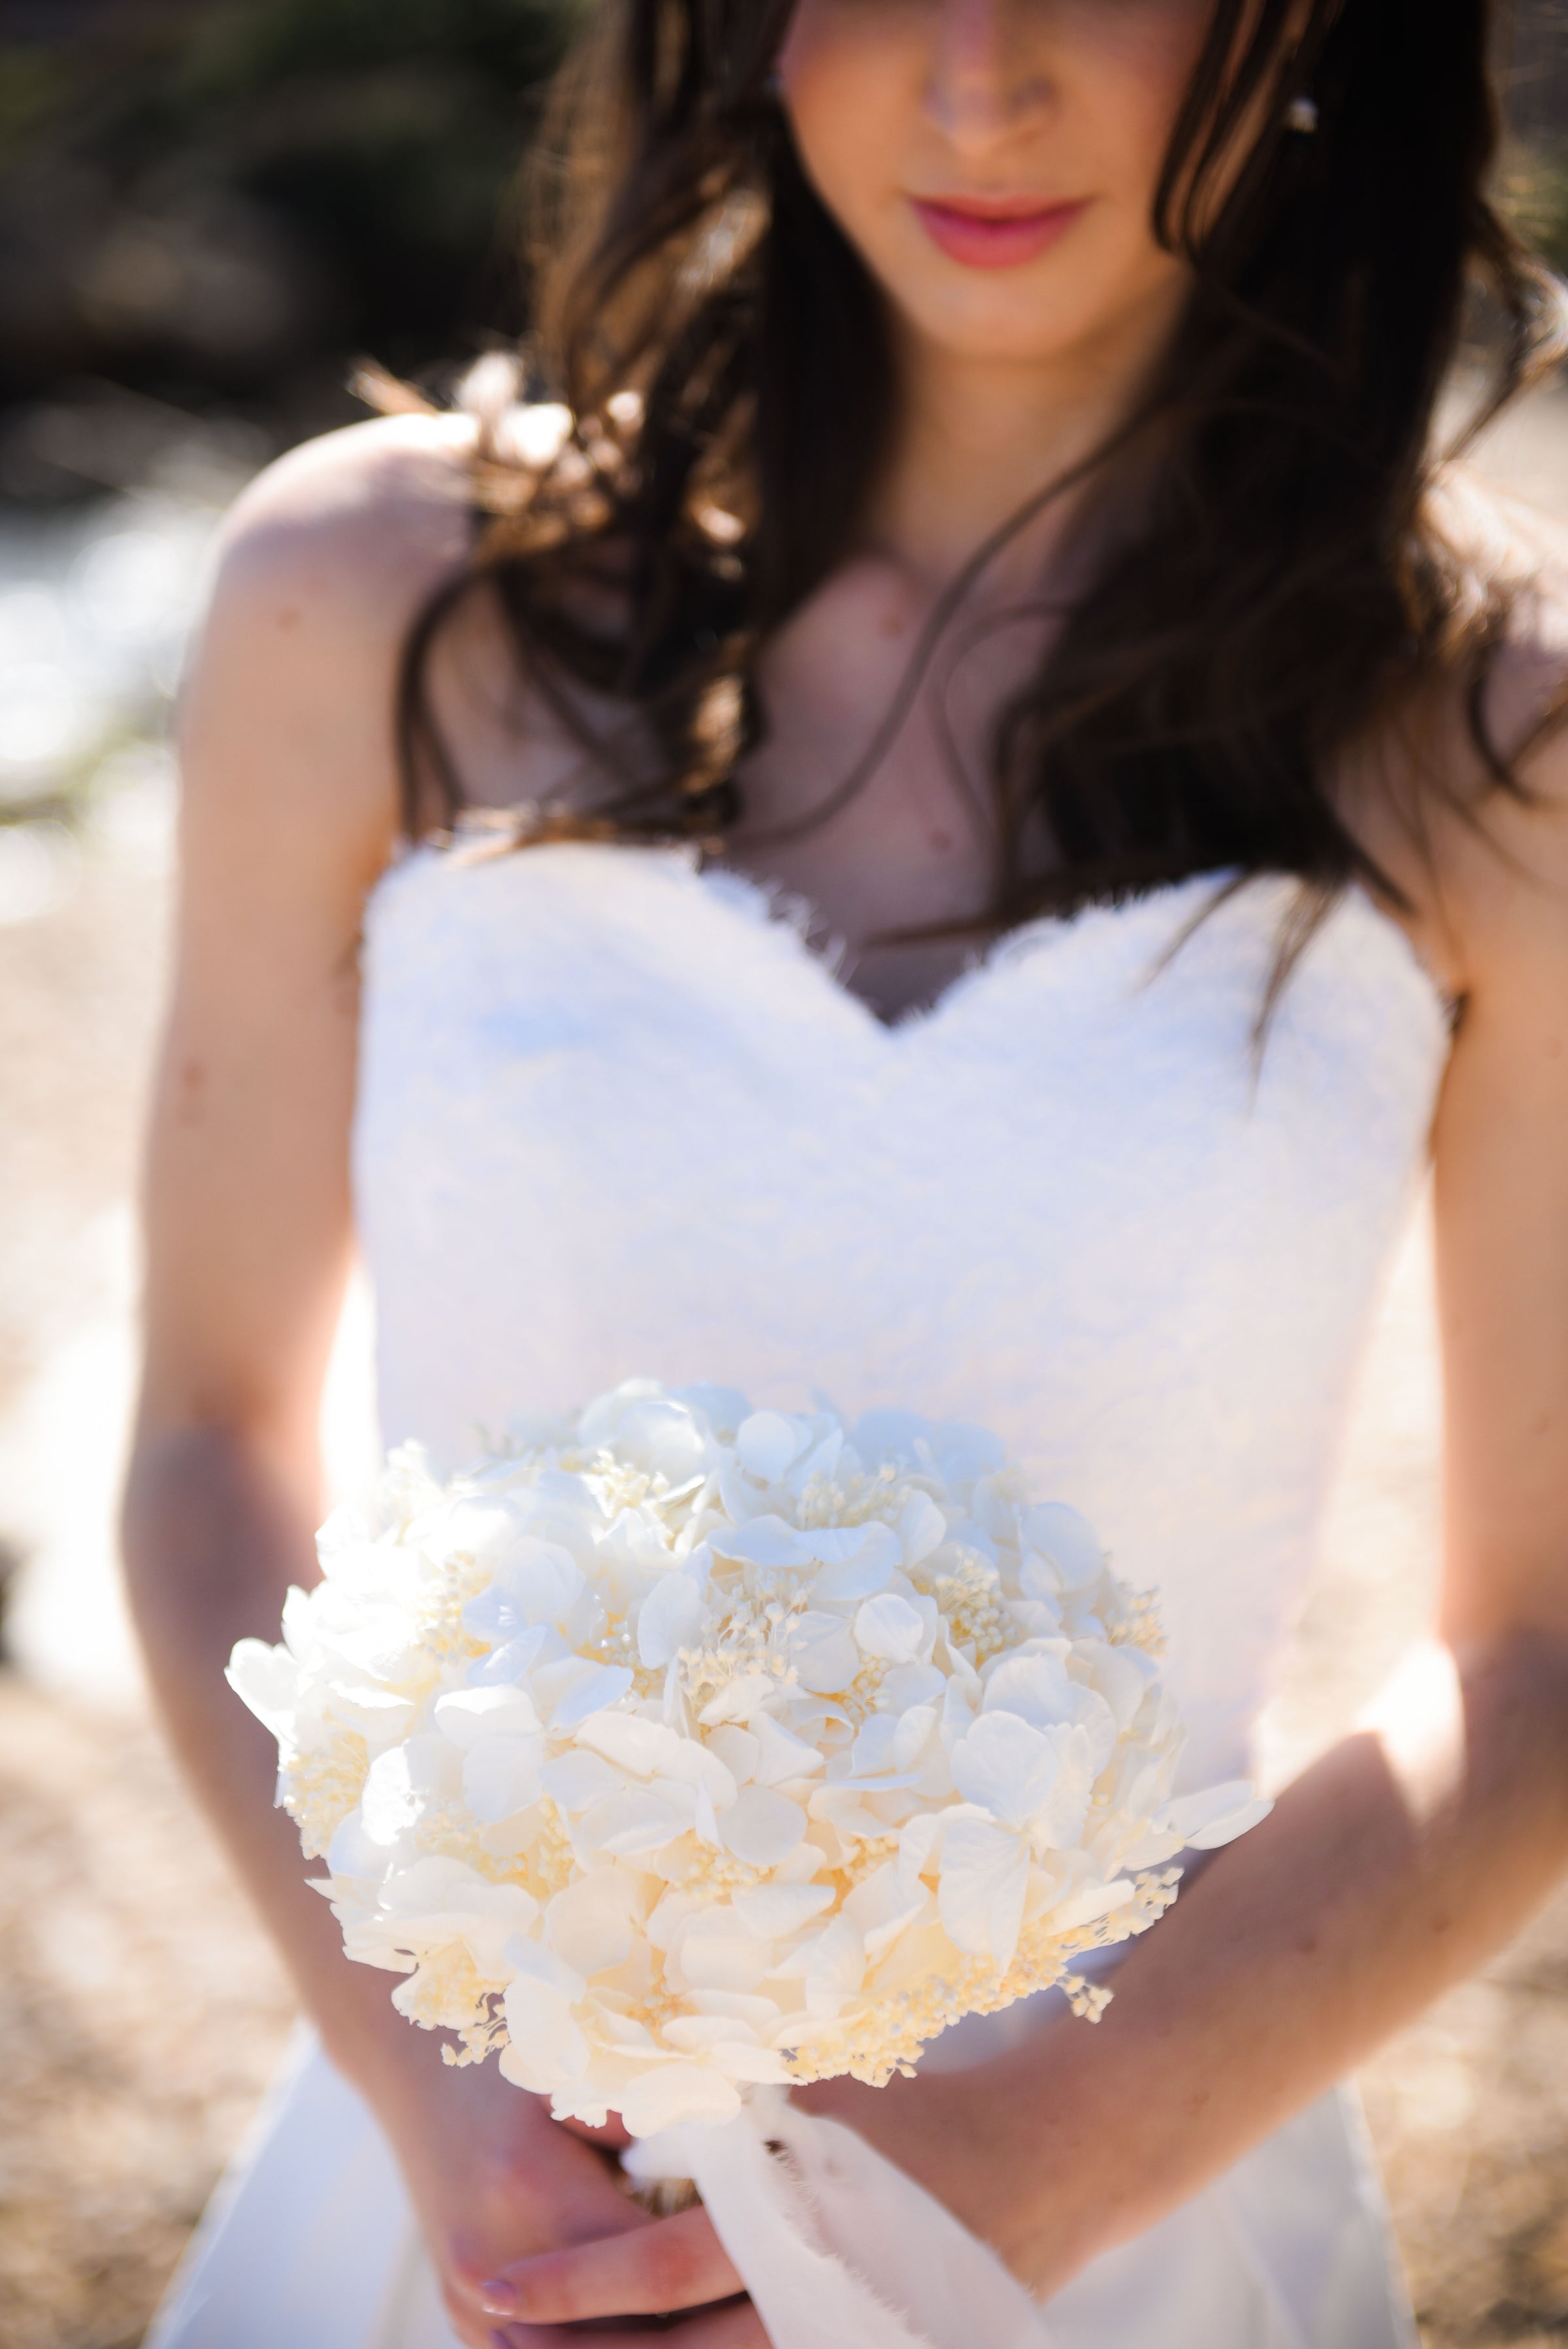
666	2267
942	2131
494	2180
644	2274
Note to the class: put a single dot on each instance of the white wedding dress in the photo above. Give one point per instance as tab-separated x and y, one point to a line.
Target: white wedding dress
614	1117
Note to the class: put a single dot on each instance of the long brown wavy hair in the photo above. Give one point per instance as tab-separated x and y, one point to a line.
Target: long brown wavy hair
724	366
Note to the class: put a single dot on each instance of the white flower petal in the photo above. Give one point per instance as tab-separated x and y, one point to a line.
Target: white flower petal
762	1827
888	1625
671	2092
632	1742
922	1527
379	1714
693	1763
268	1681
768	1444
1036	1687
835	1969
541	1578
579	1778
741	1698
590	1926
532	1963
737	1749
1035	1780
722	1409
1066	1540
907	1685
1090	1902
781	1753
635	1820
875	1748
826	1659
856	1561
597	1686
760	2014
913	1732
662	1437
508	1664
715	1952
765	1541
984	1880
1122	1676
503	1777
1215	1816
879	1908
694	2034
774	1911
468	1716
397	1788
857	1718
546	2050
668	1618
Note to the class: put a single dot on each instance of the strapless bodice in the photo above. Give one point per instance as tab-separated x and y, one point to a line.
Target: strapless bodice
616	1118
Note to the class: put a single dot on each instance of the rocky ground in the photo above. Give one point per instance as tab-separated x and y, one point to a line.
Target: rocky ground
140	2011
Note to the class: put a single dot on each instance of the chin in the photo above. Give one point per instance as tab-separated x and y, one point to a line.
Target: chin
1002	325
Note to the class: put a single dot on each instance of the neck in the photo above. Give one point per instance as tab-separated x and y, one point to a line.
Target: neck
978	437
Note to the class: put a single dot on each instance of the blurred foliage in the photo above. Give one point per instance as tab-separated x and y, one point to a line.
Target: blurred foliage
213	193
217	201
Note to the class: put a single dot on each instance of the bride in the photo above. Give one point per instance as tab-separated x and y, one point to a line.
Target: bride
976	496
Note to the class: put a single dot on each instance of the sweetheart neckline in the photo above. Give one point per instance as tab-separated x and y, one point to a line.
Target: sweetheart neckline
791	914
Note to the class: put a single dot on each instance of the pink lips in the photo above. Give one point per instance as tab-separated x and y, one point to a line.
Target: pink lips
994	232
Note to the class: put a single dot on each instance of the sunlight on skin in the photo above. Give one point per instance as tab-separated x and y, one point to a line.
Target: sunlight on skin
996	165
919	121
967	105
1418	1721
933	129
971	102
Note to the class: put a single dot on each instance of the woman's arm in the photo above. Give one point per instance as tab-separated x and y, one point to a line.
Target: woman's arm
289	810
1417	1847
1413	1848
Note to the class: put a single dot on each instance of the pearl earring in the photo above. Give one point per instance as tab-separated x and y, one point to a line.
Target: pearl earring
1302	117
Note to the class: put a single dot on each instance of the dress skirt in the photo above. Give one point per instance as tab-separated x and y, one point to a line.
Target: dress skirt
309	2243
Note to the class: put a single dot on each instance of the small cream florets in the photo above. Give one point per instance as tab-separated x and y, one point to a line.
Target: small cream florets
677	1748
323	1786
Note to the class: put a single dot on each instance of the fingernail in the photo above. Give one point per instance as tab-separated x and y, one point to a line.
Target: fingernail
498	2298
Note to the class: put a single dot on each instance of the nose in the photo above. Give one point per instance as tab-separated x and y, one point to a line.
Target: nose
986	76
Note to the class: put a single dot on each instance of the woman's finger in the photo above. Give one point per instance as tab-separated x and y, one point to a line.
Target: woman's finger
566	2194
737	2326
676	2262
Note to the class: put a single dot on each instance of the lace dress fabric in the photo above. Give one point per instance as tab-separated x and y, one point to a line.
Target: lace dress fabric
616	1118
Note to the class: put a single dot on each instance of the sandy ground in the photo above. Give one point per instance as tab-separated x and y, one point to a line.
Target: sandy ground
140	2010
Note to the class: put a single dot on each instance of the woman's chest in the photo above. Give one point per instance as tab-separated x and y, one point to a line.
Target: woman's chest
873	796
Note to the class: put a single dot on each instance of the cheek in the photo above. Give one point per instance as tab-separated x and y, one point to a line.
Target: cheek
1127	66
861	84
854	77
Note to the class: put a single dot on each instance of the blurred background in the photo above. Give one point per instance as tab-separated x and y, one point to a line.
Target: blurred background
207	207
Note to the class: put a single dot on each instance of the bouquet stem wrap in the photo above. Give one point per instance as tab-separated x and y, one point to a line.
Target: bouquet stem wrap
838	2248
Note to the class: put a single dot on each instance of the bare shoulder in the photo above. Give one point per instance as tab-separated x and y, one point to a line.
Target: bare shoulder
287	721
1483	865
363	522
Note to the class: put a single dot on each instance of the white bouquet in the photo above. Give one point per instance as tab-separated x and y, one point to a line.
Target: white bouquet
677	1751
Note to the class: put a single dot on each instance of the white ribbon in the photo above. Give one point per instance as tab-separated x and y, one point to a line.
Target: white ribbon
838	2248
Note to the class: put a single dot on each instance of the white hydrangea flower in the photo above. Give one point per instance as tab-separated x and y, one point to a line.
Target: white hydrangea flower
678	1748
